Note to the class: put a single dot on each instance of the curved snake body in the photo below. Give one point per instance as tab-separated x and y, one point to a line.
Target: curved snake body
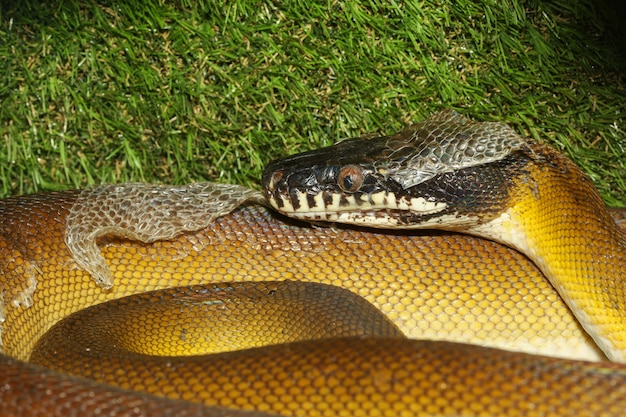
432	286
479	178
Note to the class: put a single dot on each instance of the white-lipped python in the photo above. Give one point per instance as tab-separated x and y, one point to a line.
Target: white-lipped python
62	252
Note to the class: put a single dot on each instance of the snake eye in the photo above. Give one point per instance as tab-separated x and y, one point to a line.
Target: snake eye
350	178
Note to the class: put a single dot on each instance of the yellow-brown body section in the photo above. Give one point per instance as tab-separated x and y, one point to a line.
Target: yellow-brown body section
431	285
558	219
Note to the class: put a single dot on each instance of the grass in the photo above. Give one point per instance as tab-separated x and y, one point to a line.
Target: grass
185	91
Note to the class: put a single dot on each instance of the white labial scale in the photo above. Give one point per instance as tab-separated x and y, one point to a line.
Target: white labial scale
377	201
381	198
421	205
144	212
369	211
365	219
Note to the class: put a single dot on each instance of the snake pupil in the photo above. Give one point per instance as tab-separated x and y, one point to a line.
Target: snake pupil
350	178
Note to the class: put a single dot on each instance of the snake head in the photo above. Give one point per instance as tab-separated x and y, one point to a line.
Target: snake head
446	167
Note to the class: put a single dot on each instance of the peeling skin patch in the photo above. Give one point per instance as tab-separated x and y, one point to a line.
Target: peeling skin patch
144	212
448	141
3	317
25	299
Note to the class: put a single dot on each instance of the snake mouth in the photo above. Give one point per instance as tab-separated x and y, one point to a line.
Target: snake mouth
313	201
380	209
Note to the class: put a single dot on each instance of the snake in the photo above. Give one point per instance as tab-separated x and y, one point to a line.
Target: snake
512	305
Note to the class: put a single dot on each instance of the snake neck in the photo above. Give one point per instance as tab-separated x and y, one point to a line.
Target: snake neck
557	218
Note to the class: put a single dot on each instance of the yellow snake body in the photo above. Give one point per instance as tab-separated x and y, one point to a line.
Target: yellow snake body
442	286
545	221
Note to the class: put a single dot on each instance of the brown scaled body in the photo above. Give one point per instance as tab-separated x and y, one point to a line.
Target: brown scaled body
440	278
431	285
